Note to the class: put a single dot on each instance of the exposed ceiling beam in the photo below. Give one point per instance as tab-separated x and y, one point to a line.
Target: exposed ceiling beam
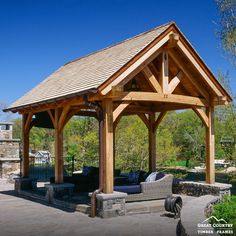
174	82
155	97
199	68
151	79
199	88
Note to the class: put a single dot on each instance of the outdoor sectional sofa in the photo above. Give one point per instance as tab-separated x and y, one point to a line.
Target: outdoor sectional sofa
133	183
87	181
157	189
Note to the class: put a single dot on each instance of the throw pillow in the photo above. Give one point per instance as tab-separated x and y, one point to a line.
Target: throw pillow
159	175
133	177
151	177
87	170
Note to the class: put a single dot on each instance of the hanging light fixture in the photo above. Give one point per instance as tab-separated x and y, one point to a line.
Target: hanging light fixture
134	86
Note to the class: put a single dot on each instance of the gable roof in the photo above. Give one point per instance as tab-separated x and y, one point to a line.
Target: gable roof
92	71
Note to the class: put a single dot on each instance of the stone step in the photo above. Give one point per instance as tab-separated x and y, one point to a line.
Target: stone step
83	208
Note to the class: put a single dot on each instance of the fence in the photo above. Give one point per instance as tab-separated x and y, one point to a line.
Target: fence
44	168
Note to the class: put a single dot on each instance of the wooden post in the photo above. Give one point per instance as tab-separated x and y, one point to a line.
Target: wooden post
108	146
210	147
114	148
152	143
101	152
58	150
165	72
25	137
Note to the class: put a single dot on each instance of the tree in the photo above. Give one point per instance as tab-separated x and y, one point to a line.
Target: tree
131	144
188	136
227	27
225	120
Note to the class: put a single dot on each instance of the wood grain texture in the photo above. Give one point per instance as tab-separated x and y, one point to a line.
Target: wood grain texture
210	147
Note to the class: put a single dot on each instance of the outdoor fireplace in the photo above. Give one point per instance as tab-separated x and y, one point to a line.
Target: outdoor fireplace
9	150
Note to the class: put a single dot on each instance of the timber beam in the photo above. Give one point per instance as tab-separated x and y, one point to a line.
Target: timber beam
152	80
155	97
182	67
198	67
202	115
159	119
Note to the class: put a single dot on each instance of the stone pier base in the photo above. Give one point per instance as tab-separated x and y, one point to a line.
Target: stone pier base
25	184
111	204
58	191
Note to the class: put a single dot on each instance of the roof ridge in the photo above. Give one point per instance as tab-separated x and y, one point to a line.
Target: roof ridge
113	45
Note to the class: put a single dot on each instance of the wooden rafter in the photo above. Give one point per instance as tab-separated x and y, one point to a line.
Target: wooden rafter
75	101
199	88
152	79
174	82
198	67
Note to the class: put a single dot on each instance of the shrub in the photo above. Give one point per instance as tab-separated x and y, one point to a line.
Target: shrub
226	210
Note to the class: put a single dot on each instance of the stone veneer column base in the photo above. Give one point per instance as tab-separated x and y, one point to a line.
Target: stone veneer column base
58	190
111	204
25	183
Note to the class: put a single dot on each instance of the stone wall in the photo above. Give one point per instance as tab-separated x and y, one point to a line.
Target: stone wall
9	149
9	157
6	134
200	188
7	167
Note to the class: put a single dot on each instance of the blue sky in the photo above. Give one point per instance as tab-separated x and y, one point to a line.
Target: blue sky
37	37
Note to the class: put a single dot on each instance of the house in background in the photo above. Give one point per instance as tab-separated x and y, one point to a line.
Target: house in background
42	157
9	150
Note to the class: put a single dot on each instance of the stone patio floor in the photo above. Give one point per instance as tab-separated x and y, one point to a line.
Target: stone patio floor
19	216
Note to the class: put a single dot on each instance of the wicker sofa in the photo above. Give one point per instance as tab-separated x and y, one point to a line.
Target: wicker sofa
158	189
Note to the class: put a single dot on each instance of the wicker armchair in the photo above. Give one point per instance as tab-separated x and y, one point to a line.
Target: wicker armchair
153	190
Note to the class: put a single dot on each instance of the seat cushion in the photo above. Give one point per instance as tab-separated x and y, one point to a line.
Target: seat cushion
130	189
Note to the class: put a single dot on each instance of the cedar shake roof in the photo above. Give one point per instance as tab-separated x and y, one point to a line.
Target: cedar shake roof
90	71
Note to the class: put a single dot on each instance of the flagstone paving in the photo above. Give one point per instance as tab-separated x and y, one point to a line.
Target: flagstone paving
20	216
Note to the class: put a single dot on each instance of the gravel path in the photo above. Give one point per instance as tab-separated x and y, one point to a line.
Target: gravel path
19	216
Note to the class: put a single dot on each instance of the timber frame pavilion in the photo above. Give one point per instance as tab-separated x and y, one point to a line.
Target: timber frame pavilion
147	75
